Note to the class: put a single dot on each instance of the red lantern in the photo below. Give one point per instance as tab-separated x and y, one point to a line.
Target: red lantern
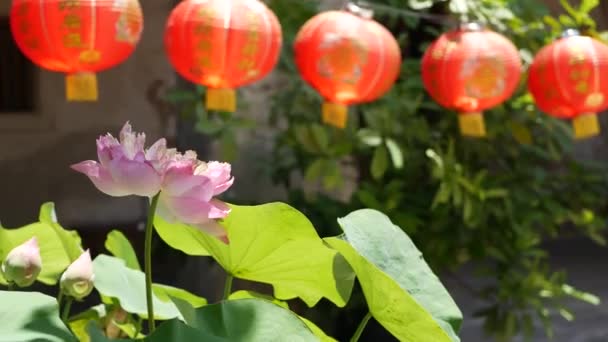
469	70
348	58
569	80
223	44
77	37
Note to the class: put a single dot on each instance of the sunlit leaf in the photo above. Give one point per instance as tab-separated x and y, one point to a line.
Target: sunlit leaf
246	320
271	243
114	279
58	247
31	316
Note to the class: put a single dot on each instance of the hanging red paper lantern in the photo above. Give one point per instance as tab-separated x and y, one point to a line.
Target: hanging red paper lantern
77	37
223	44
469	70
348	58
569	80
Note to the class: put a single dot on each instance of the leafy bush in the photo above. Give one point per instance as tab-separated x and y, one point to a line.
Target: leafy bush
492	201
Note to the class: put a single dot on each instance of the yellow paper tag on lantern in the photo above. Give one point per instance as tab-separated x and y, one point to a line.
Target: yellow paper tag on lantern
221	99
586	126
81	87
472	124
335	114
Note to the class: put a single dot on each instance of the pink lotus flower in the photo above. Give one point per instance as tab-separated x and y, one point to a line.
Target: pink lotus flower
124	167
188	190
23	263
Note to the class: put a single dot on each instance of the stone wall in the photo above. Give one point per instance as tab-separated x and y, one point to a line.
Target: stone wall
37	149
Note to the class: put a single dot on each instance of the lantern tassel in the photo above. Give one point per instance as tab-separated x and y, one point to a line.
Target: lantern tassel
586	126
221	99
81	86
335	114
471	124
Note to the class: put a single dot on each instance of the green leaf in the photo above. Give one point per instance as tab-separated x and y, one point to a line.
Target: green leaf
58	247
420	4
379	162
380	245
313	327
245	294
130	329
395	152
172	330
321	335
369	137
115	280
393	307
179	96
118	244
229	146
315	170
164	293
332	174
306	140
274	244
31	316
587	6
248	320
69	238
79	323
320	136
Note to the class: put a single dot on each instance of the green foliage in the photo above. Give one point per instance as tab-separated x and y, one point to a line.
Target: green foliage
313	327
58	247
31	316
118	244
261	239
490	200
113	279
246	320
272	243
400	289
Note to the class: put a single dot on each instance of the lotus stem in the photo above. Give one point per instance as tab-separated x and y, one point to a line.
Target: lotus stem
361	327
148	262
228	286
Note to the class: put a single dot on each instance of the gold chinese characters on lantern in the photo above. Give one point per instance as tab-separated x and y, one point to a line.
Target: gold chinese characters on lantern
348	58
223	44
569	80
469	70
67	36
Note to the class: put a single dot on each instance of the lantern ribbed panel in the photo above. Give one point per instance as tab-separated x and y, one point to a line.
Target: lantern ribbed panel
471	71
73	36
346	58
569	77
223	43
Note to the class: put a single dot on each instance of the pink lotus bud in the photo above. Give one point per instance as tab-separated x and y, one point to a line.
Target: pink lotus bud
23	264
77	280
125	168
188	189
